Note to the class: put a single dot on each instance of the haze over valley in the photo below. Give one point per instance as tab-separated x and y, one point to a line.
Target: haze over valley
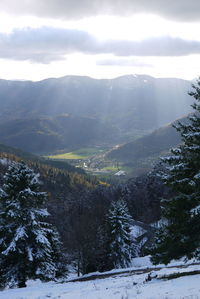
63	115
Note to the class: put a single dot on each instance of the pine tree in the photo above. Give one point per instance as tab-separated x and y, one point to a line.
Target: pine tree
29	246
179	235
119	241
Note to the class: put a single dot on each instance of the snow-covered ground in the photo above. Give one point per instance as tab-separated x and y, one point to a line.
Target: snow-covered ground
118	286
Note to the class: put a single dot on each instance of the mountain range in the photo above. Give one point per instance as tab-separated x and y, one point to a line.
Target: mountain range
71	112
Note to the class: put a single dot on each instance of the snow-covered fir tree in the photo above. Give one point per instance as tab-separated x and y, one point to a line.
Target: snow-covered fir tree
29	246
179	234
119	241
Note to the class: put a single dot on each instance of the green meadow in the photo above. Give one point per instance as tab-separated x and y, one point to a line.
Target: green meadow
83	153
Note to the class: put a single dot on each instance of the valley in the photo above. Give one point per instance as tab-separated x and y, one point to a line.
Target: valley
103	126
126	160
92	160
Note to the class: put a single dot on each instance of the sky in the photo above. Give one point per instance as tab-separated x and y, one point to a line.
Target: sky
99	38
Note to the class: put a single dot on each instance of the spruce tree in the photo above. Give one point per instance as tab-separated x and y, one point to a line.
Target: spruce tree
119	241
29	246
179	234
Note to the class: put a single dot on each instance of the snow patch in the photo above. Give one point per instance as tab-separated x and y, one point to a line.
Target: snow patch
120	286
5	161
120	172
137	231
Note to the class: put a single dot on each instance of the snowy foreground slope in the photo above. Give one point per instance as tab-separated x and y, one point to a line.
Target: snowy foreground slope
118	286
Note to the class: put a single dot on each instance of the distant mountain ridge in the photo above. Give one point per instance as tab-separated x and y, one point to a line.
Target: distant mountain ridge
93	111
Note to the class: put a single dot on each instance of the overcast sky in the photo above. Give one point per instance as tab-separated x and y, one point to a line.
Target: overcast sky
99	38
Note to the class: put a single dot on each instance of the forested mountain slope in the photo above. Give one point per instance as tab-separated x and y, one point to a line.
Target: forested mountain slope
48	134
153	144
143	153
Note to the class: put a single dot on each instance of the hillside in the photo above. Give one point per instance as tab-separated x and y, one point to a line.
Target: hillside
70	112
17	154
60	179
46	135
150	145
142	281
143	152
64	183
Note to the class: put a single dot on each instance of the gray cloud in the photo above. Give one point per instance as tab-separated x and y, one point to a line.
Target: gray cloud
44	44
48	44
158	46
182	10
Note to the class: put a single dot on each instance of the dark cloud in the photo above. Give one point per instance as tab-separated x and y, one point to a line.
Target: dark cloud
182	10
48	44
